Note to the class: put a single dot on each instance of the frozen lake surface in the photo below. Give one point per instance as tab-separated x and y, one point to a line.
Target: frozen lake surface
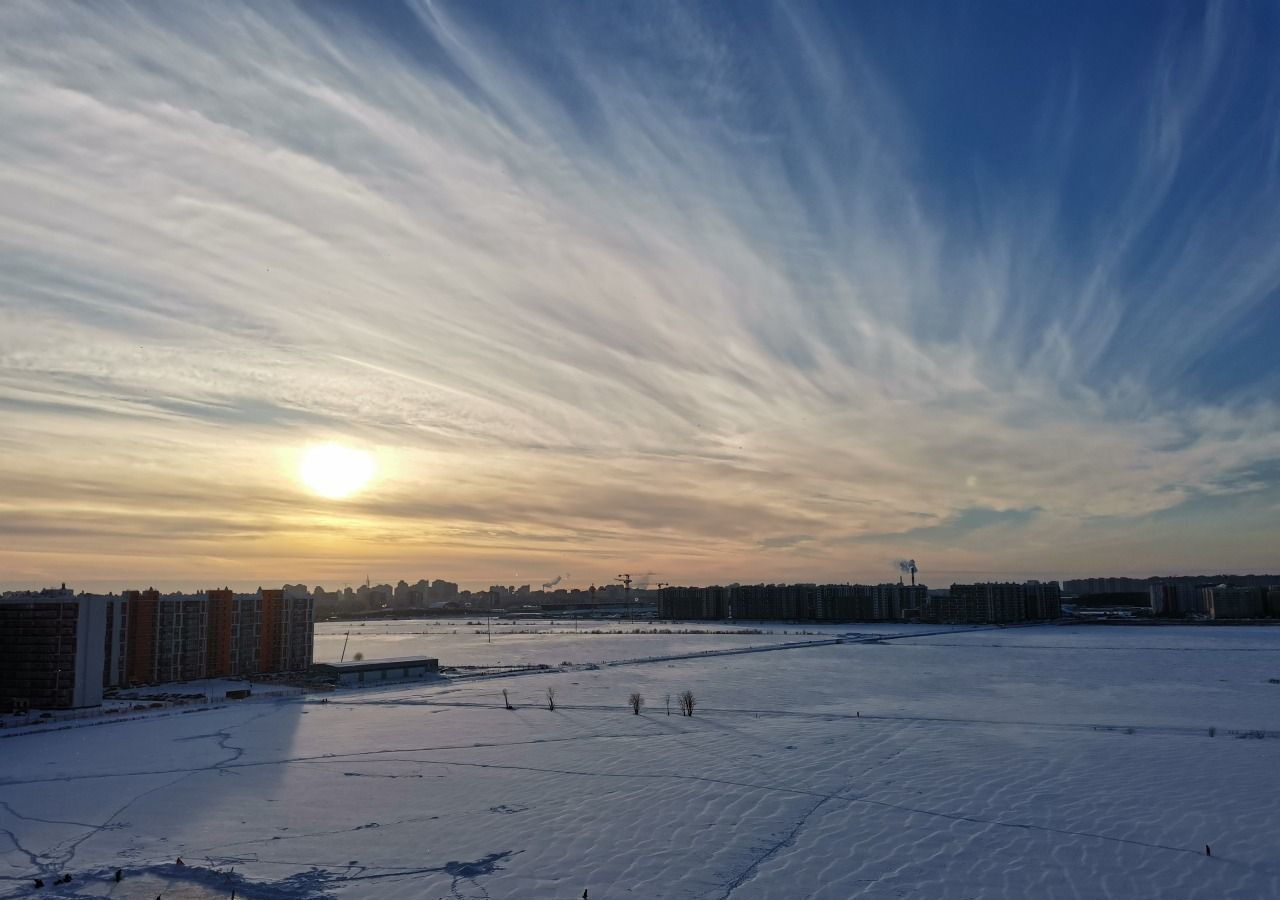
1045	762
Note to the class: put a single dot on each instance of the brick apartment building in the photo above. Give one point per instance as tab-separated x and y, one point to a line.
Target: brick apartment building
59	650
216	634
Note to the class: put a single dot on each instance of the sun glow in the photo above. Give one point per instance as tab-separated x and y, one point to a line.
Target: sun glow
335	471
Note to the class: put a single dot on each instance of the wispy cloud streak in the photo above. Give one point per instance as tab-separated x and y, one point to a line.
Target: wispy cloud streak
678	293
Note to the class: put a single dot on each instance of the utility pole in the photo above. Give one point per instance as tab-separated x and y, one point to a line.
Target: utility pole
626	594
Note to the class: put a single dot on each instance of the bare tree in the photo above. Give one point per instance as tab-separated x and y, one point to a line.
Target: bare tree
506	701
687	703
635	701
551	699
668	704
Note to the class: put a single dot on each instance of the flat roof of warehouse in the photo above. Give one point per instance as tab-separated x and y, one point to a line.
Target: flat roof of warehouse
372	665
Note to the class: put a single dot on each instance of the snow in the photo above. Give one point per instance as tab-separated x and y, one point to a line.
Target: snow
997	763
463	642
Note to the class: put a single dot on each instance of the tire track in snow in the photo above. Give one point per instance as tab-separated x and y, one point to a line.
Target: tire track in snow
750	871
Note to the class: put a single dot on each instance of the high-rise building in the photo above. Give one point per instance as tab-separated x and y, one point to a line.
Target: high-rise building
804	602
221	606
990	602
764	601
246	635
140	660
51	650
1229	602
115	650
692	603
59	650
1176	598
889	601
1043	600
1164	600
287	632
215	634
181	638
1086	586
443	590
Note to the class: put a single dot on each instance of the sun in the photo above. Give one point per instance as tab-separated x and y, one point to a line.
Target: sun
335	471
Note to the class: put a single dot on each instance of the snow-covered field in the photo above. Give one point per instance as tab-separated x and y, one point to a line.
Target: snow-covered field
466	642
1042	762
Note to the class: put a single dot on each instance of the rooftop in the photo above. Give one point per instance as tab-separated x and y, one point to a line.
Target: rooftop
369	665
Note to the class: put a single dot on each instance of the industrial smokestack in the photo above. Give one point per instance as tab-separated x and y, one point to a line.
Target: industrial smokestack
908	565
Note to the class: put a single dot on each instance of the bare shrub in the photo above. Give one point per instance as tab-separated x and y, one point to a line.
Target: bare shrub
506	701
635	701
687	702
551	699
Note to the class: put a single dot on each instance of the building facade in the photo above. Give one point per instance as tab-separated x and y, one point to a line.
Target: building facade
989	602
60	650
51	650
1043	600
796	602
370	672
1228	602
115	649
1000	603
287	631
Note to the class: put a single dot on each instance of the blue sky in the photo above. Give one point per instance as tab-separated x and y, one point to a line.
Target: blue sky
723	292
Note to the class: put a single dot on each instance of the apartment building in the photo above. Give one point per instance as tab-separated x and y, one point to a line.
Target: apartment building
801	602
1231	602
59	650
287	631
1000	602
51	650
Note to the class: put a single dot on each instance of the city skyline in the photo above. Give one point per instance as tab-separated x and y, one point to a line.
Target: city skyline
766	293
651	584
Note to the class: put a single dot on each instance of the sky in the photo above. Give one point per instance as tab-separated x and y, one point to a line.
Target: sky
720	292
